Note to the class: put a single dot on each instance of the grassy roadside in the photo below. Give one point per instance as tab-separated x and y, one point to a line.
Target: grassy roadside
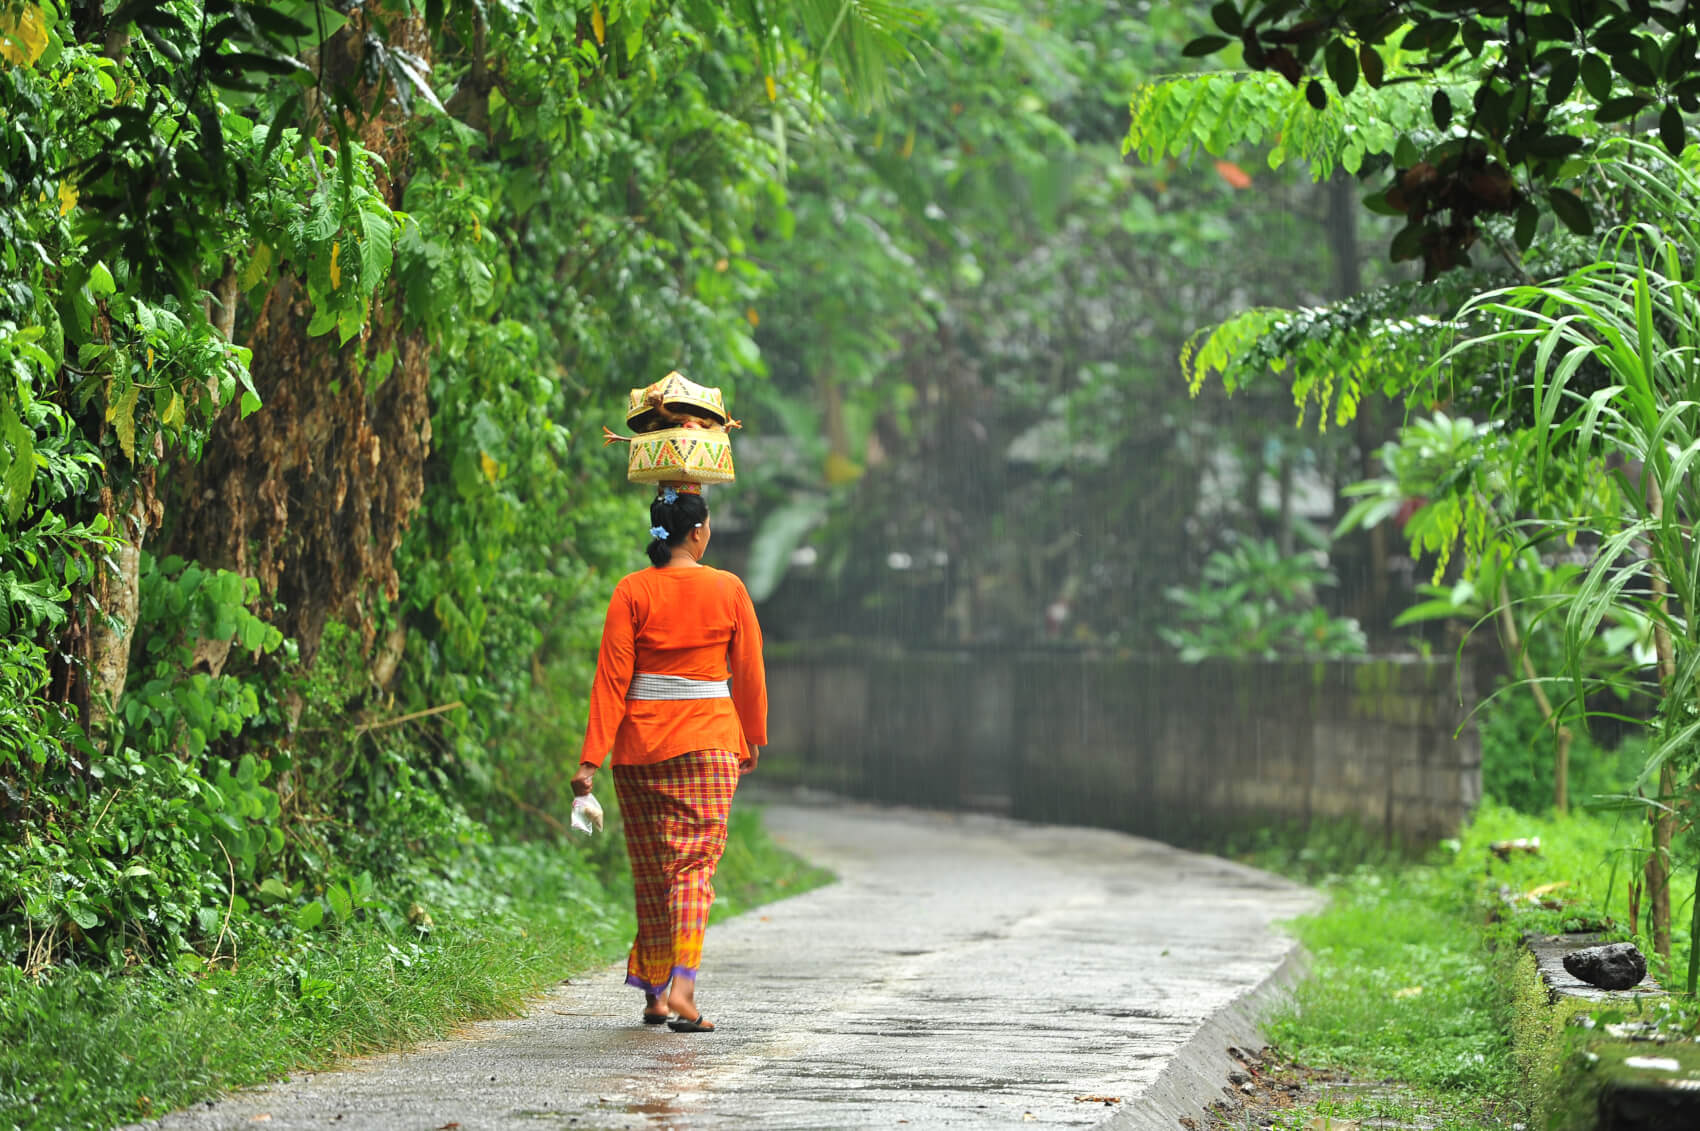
1418	992
85	1050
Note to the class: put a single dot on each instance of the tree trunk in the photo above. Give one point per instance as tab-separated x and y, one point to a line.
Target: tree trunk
312	494
132	516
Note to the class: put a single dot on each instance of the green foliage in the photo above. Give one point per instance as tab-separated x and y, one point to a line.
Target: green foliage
1517	763
1529	76
1255	602
192	618
150	834
1632	315
1218	112
565	199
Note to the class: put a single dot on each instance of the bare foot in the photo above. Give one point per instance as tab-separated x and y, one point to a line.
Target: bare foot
682	999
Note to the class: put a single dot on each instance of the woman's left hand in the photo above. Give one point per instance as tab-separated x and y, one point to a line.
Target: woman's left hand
582	780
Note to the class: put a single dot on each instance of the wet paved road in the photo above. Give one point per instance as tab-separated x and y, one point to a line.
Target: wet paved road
965	972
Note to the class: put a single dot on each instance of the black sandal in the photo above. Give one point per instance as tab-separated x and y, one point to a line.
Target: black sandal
656	1018
700	1025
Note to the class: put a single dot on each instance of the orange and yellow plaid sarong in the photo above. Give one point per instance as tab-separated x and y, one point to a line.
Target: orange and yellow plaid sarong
675	817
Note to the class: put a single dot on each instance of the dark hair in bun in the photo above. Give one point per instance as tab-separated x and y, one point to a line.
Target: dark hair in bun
677	518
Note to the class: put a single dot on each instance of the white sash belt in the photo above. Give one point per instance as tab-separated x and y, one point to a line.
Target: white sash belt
646	685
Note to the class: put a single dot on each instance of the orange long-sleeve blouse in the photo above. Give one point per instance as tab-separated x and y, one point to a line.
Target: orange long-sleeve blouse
697	623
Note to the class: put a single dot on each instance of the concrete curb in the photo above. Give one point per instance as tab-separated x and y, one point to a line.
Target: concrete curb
1197	1075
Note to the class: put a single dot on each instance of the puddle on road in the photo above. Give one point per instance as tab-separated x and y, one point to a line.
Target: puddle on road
609	1113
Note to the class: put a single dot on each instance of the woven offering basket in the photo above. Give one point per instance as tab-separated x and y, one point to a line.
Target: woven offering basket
680	455
680	396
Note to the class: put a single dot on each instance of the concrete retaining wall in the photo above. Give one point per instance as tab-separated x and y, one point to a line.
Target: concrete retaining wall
1180	752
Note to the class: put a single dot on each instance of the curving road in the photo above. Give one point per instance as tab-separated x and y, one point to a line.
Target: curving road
966	971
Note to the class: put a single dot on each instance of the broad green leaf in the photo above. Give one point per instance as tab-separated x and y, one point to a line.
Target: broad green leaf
258	267
310	915
1672	130
101	281
21	466
1570	209
777	538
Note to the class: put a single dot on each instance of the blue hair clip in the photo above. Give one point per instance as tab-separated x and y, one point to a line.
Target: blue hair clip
658	532
668	495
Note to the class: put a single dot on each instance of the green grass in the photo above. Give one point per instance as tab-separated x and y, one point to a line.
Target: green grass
1402	988
1417	980
88	1049
1594	856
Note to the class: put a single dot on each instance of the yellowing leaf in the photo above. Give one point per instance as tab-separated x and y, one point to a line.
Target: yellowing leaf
772	90
752	317
258	265
841	469
173	415
908	146
491	468
477	231
123	417
336	271
596	24
67	197
1408	991
150	357
23	36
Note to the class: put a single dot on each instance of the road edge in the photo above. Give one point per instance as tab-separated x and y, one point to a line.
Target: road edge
1197	1074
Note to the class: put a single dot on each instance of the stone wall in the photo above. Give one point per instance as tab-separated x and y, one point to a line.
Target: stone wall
1180	752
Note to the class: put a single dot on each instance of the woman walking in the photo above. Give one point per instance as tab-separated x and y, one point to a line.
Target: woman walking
680	701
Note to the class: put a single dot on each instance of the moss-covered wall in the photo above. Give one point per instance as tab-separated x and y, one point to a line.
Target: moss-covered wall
1151	746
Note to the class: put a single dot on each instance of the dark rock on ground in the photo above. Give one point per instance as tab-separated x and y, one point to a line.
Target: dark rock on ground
1616	966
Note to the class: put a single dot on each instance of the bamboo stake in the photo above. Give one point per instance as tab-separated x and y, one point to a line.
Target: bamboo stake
1662	818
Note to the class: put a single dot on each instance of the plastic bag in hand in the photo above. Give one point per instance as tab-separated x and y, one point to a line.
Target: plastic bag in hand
587	814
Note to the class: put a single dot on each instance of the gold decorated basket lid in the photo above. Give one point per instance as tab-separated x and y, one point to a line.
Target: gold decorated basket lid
674	392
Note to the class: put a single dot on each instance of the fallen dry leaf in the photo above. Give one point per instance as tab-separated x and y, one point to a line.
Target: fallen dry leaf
1328	1123
1097	1099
